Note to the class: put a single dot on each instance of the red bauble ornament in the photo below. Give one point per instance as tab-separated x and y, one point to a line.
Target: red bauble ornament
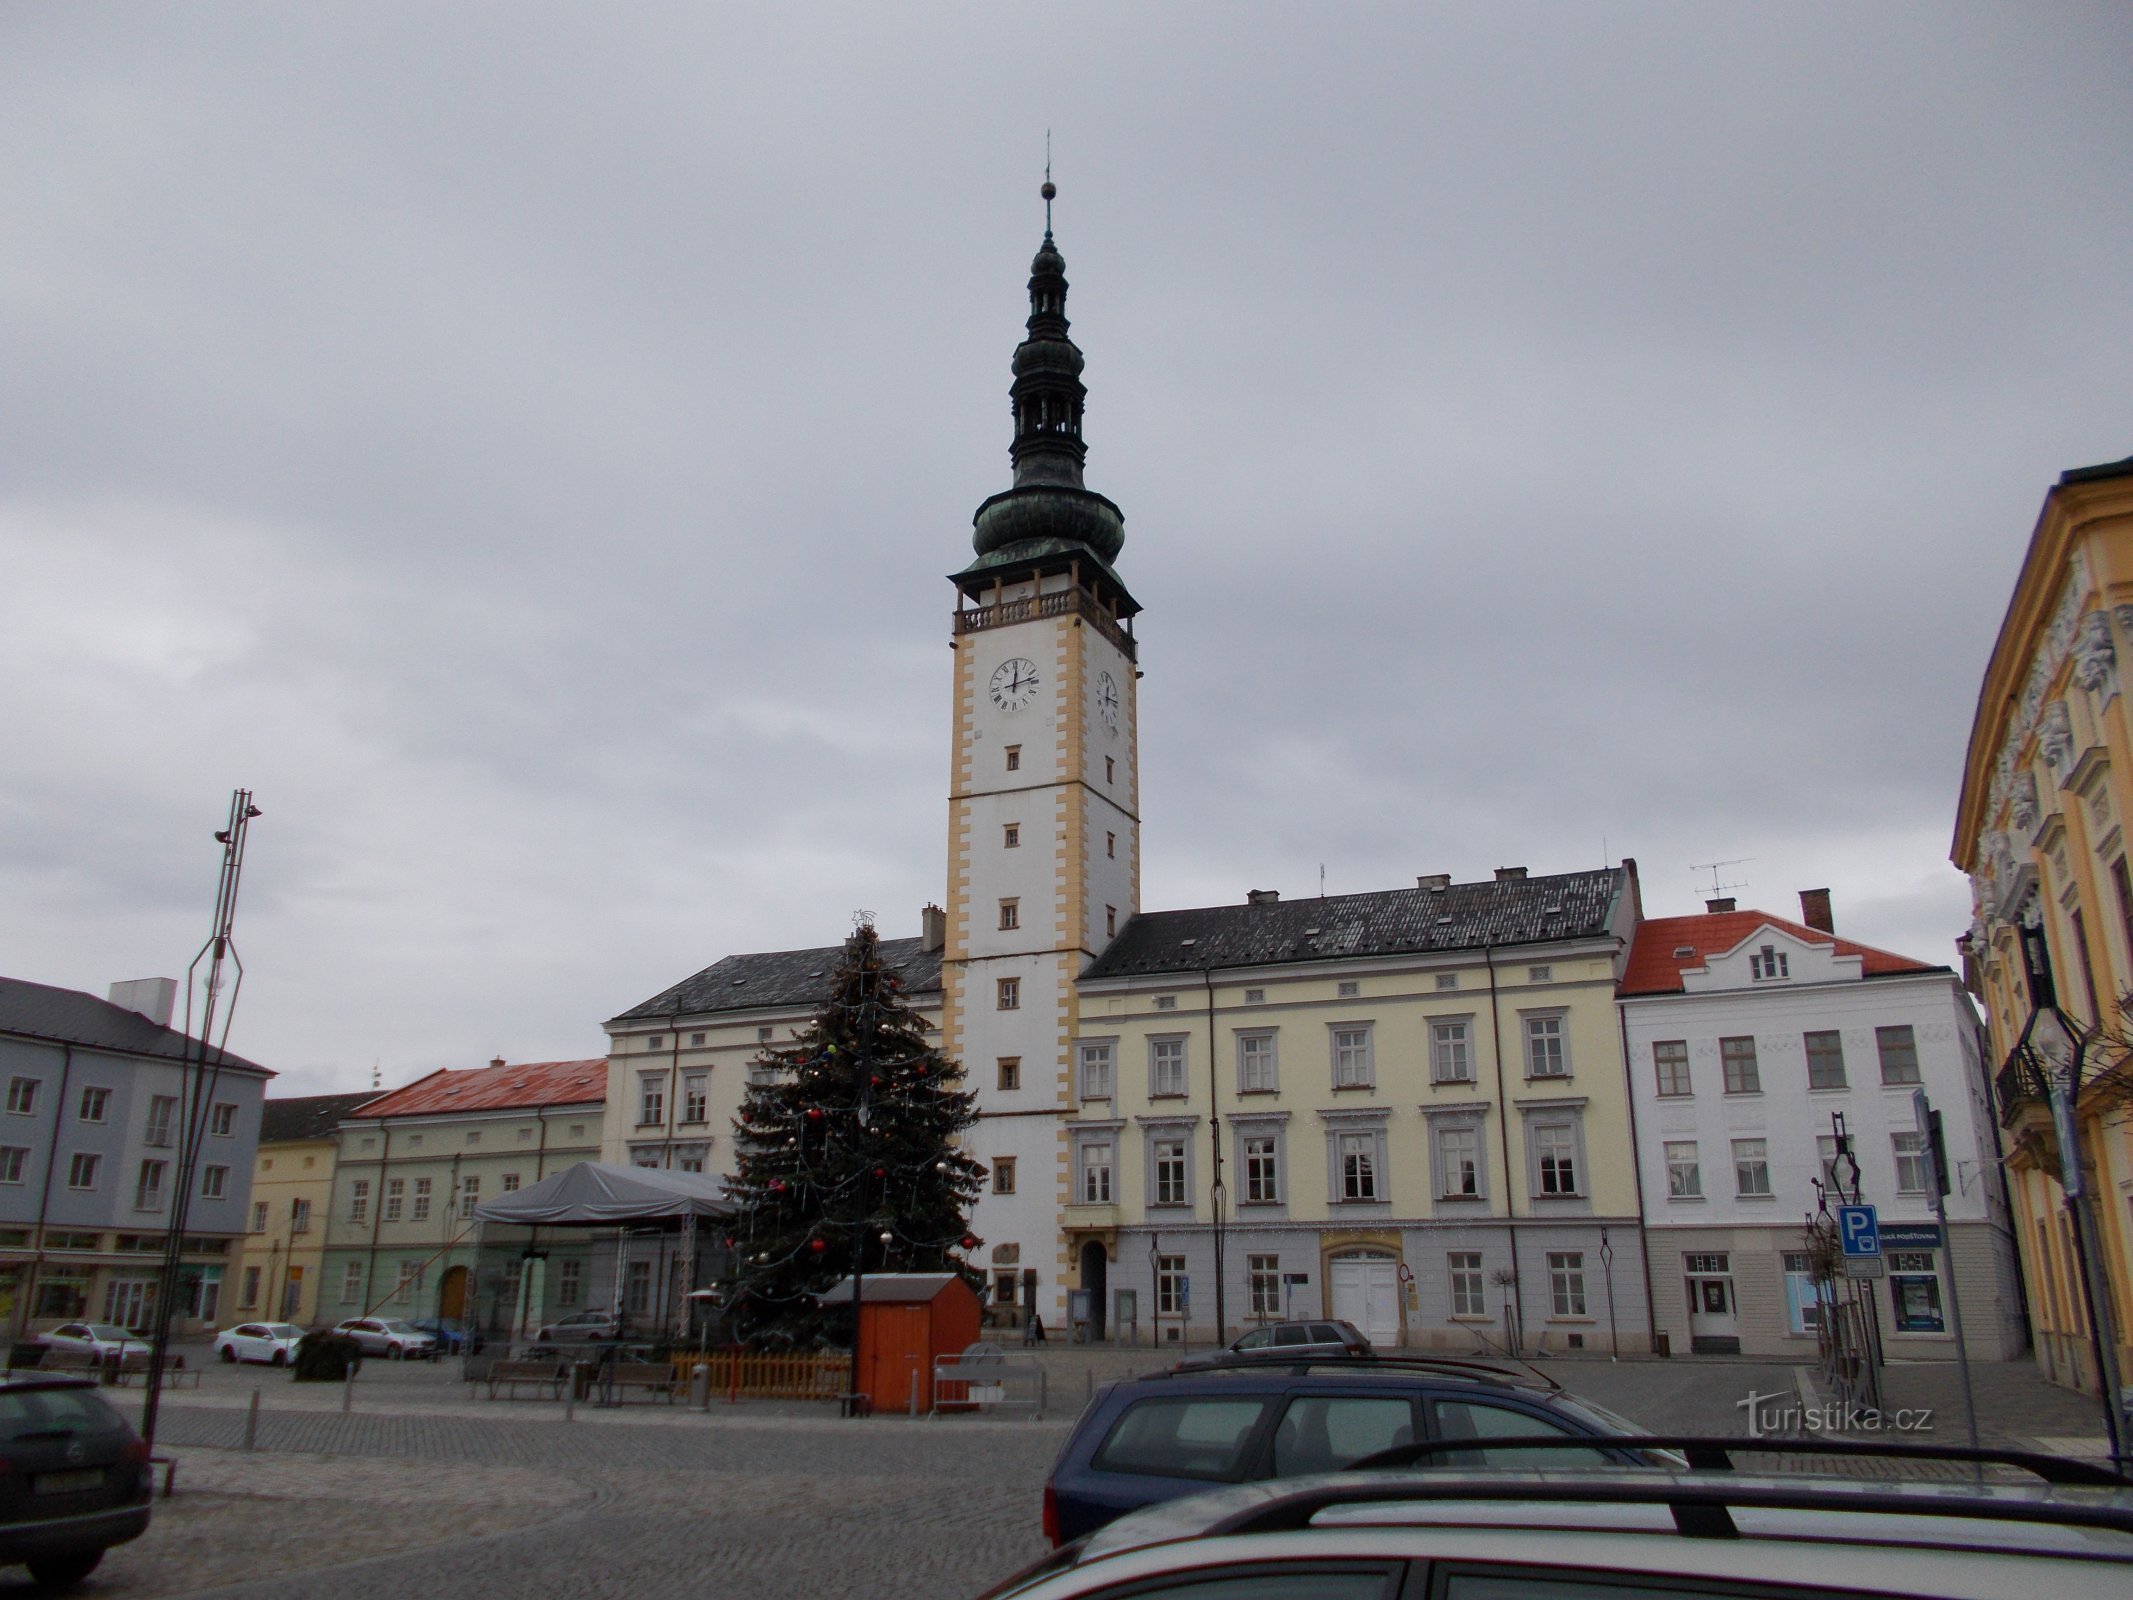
777	1185
920	1069
814	1113
817	1245
881	1172
970	1241
875	1080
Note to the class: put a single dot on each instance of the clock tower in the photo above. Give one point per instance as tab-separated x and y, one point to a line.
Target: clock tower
1043	795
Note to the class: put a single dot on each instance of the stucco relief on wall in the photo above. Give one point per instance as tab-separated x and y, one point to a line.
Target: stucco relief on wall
2022	802
2052	650
2095	655
2055	740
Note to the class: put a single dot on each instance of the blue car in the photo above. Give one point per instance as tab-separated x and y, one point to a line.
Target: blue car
1181	1432
453	1338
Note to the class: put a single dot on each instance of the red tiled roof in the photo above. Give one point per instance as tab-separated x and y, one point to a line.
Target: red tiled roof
1654	968
534	1083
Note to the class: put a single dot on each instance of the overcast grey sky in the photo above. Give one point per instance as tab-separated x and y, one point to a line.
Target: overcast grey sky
525	444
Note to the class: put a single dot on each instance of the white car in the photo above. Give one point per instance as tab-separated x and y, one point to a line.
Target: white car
1611	1532
100	1339
580	1327
272	1342
389	1336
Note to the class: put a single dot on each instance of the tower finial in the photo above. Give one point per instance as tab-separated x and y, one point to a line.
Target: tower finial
1048	190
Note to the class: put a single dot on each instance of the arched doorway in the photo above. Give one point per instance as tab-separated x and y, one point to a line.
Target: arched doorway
452	1294
1095	1275
1364	1288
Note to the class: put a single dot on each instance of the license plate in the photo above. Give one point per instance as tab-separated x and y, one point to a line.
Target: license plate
69	1482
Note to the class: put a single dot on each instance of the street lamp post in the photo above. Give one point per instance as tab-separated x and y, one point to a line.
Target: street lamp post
2053	1047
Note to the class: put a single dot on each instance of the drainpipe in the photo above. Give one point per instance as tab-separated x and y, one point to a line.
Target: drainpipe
1503	1130
44	1200
377	1216
1216	1193
1636	1162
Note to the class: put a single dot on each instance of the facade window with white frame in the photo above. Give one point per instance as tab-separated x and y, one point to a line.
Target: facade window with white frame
696	1097
14	1161
1898	1048
395	1198
1555	1155
1751	1168
651	1099
222	1120
1169	1286
1169	1159
1803	1299
148	1188
259	1216
1008	994
1262	1169
1910	1152
1166	1068
1737	1056
1348	989
81	1171
1566	1282
1358	1157
1670	1065
419	1211
22	1096
162	1114
1451	1059
1096	1065
94	1103
1010	1072
359	1200
1547	1051
1462	1270
1825	1059
1003	1174
299	1216
1258	1071
352	1284
1769	964
1010	914
214	1183
1262	1277
1459	1162
1684	1177
1352	1067
1093	1182
469	1197
570	1286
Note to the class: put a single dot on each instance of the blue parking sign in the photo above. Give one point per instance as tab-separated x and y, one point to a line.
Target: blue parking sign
1859	1228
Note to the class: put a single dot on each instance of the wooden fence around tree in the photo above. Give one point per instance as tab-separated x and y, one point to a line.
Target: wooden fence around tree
756	1375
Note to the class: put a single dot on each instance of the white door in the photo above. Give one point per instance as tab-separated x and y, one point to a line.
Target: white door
1366	1292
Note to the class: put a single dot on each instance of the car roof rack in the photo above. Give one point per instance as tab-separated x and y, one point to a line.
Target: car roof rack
1703	1498
1524	1377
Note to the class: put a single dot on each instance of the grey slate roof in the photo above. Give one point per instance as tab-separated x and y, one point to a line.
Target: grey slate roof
783	978
1465	916
67	1016
310	1116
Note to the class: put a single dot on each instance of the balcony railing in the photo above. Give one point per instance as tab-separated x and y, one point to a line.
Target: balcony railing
1062	603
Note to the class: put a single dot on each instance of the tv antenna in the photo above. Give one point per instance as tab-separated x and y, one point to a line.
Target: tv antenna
1716	868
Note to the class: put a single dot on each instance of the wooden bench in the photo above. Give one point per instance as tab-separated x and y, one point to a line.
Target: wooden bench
551	1375
69	1361
652	1376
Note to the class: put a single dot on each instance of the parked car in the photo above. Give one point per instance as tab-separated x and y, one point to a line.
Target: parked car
1606	1530
579	1327
74	1477
1180	1432
100	1339
388	1336
272	1342
453	1337
1327	1337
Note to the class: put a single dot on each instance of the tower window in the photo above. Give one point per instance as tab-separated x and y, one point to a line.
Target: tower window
1010	913
1014	758
1110	769
1010	994
1010	1072
1011	836
1110	921
1111	844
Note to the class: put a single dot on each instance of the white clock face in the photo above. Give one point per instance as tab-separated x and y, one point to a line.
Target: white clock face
1107	701
1014	684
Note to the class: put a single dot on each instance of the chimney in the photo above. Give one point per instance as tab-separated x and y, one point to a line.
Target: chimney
496	1061
153	998
1814	910
1262	897
1722	903
932	928
1510	874
1437	881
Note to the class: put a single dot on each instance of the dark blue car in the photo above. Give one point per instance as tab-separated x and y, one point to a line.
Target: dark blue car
453	1338
1176	1433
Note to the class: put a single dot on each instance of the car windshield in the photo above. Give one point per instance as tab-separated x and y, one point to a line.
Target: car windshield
395	1325
25	1413
283	1330
107	1330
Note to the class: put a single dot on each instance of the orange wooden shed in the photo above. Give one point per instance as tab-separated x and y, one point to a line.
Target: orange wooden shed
905	1320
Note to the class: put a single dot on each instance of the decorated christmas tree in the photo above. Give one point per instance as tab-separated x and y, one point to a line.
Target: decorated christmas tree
845	1145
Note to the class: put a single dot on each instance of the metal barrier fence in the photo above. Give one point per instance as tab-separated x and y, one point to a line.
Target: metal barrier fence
984	1379
754	1375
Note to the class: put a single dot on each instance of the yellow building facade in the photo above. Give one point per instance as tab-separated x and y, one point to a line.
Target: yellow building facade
1420	1107
292	1193
2040	830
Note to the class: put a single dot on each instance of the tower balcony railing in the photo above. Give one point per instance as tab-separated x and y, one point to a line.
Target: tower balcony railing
1061	603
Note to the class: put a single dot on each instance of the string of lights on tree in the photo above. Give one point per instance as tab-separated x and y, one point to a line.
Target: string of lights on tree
847	1143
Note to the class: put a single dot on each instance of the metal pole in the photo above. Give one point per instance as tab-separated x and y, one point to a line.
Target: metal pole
1607	1266
1937	1186
251	1423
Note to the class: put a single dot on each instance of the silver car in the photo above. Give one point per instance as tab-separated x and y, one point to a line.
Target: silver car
389	1336
102	1340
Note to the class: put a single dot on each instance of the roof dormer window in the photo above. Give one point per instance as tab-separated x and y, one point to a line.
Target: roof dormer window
1769	963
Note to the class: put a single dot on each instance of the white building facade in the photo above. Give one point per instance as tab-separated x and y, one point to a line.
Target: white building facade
1754	1043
